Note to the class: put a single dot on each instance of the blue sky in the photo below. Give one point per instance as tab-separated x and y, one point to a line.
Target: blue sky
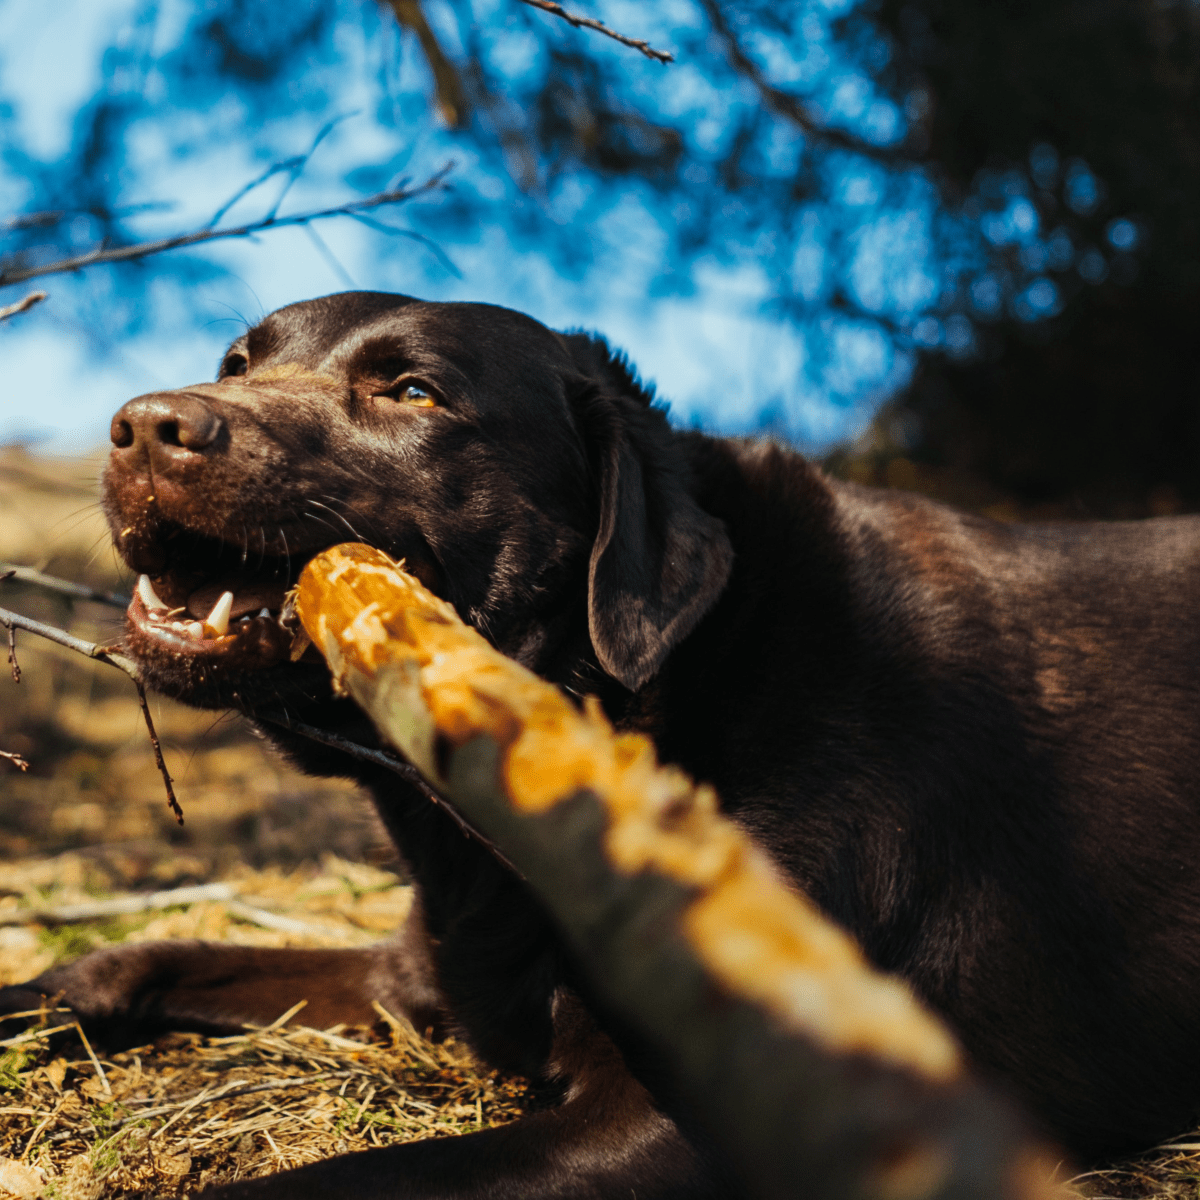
708	329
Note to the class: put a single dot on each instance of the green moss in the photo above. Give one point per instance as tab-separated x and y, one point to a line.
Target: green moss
12	1063
68	941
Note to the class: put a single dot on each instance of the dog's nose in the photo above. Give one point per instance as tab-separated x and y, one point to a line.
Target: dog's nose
166	426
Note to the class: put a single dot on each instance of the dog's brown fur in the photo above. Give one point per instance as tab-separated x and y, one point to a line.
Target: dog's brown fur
975	745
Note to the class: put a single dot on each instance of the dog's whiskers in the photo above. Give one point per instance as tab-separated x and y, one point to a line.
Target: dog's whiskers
333	512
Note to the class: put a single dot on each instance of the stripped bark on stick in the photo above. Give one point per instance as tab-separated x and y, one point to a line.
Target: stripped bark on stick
805	1063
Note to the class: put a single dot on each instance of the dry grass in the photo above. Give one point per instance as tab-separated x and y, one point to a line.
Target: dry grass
90	820
167	1118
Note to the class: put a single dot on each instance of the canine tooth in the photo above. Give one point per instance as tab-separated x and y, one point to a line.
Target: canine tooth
148	595
217	624
264	611
195	629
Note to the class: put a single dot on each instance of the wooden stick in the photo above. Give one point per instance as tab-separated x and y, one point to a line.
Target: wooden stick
24	305
66	587
172	803
805	1062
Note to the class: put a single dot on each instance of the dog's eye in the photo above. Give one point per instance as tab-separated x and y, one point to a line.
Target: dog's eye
417	396
234	364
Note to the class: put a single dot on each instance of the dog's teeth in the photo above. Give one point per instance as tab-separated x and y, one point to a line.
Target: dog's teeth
264	612
148	595
217	624
195	629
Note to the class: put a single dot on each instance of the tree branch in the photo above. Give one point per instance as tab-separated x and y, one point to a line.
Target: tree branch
21	306
805	1062
51	583
662	56
145	249
15	759
161	762
381	758
53	634
378	758
451	95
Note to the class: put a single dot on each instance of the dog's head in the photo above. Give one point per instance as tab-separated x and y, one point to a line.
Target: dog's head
522	474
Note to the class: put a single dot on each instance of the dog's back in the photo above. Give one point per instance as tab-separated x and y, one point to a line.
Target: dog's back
976	746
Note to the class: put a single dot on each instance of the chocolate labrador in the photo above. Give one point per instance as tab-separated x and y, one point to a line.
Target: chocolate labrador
975	745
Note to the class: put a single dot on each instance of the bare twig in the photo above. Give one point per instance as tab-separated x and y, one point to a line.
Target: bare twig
113	658
172	803
294	166
379	758
12	653
145	249
266	919
53	634
21	306
118	906
662	56
66	587
34	1035
17	761
95	1061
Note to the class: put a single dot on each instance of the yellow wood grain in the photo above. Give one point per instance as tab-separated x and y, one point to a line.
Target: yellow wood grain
418	670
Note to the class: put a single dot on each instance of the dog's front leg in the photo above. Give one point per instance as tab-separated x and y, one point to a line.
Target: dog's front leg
605	1141
130	993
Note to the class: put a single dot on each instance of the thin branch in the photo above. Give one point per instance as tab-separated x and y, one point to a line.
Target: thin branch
172	803
17	761
379	758
119	906
66	587
12	654
781	103
662	56
21	306
331	260
50	217
443	258
294	165
145	249
53	634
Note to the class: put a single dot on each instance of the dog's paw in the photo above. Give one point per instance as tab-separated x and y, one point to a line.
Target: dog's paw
20	998
20	1004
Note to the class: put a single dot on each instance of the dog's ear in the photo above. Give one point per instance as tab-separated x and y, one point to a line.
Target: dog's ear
659	561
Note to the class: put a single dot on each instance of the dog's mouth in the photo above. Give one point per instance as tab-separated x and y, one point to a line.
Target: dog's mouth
216	601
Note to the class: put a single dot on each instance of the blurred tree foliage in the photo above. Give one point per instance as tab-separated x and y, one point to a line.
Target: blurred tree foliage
1095	104
992	204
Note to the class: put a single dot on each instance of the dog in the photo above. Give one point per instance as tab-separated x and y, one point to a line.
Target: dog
975	745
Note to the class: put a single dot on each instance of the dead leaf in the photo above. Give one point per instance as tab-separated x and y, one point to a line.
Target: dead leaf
17	1179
